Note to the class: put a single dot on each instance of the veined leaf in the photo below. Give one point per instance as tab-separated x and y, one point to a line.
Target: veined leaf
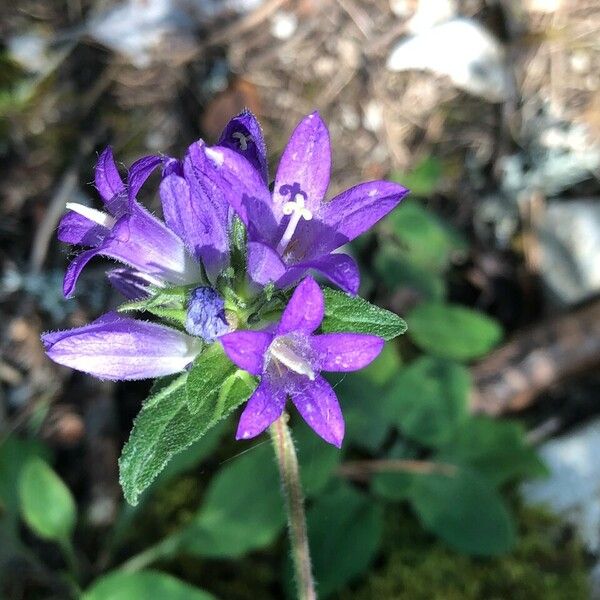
165	426
453	331
354	314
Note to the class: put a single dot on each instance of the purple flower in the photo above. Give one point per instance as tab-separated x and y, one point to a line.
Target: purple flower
116	347
126	231
294	230
206	314
289	361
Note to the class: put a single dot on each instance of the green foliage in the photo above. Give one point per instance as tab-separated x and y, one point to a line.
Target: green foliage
165	426
424	179
242	509
452	331
211	370
365	402
143	585
428	399
47	505
344	532
465	511
416	568
427	242
169	304
318	461
395	485
396	270
351	313
498	450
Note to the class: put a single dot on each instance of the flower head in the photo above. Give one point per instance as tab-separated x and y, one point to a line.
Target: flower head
289	359
294	230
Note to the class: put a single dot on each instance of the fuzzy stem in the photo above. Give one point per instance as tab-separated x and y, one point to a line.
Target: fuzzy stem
294	504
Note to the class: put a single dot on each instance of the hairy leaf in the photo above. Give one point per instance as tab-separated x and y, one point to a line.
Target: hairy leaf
351	313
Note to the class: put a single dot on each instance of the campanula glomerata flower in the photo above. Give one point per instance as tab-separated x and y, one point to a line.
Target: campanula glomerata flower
289	359
293	230
117	348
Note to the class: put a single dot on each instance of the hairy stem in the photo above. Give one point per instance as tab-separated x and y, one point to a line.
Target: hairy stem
294	504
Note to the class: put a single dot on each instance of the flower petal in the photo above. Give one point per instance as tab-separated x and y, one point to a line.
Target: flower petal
118	348
345	351
317	403
141	241
140	170
133	284
341	269
244	135
199	220
242	186
77	229
305	309
107	179
264	264
359	208
305	166
247	349
263	408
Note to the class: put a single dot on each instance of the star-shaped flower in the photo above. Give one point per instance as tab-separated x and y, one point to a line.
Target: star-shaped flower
289	359
294	230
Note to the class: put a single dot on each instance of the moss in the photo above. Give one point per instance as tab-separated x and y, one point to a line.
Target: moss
547	564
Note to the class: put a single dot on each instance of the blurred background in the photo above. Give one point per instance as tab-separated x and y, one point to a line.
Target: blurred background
470	466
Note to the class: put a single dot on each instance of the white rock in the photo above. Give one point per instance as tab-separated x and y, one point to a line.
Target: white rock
573	488
373	116
30	51
462	50
284	25
431	13
569	238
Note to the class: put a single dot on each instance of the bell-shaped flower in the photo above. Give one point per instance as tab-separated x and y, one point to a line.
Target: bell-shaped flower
116	347
289	359
125	231
294	230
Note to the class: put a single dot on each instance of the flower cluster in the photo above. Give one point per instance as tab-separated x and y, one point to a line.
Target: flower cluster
233	250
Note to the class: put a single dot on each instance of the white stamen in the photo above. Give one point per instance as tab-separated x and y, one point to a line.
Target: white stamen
280	351
92	214
298	211
242	139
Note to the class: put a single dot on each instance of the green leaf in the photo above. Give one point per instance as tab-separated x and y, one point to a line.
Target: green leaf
206	377
395	485
318	460
47	505
165	426
363	400
399	272
344	532
243	508
143	585
453	331
353	314
496	449
465	511
169	304
428	399
428	242
424	179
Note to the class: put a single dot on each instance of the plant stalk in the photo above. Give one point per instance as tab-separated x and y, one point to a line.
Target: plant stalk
294	504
